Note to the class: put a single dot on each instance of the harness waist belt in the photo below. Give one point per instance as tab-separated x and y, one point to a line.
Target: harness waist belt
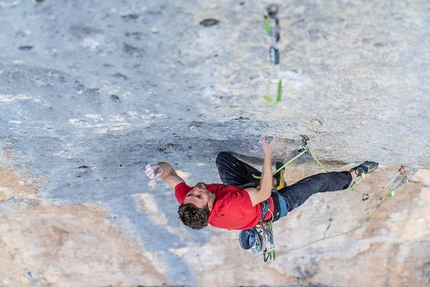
265	206
280	208
280	205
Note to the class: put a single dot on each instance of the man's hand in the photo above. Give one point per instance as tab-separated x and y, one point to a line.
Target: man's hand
260	195
269	147
153	171
165	171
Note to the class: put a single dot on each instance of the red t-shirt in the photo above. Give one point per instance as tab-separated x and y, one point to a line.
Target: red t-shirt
232	208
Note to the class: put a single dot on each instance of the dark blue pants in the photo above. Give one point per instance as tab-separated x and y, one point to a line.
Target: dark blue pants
235	172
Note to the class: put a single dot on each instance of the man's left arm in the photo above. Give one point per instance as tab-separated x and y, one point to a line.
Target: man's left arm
260	195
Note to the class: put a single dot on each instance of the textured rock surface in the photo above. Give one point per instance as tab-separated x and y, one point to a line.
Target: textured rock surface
91	91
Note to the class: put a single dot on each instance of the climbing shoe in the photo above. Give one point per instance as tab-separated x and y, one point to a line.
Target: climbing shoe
280	176
365	168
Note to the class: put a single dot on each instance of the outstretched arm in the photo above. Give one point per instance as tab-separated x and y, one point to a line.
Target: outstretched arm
165	171
260	195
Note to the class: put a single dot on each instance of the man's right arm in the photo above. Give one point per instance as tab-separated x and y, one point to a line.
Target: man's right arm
165	171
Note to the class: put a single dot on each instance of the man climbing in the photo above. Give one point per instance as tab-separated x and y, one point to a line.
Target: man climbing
243	201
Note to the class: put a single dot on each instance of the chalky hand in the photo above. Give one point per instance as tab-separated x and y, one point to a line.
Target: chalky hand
153	171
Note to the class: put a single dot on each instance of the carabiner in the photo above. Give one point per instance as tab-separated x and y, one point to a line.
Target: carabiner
271	12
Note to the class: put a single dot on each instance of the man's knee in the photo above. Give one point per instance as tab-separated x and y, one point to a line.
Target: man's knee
222	157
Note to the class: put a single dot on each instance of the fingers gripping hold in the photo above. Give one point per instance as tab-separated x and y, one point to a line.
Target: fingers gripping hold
153	171
269	143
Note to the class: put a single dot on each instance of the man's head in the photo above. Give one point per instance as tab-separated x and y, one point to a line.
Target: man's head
196	207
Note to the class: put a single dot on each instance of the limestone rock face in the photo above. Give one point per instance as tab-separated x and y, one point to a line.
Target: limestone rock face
92	91
70	245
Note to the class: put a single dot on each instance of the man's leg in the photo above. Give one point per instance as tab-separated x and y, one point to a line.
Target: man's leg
296	194
235	172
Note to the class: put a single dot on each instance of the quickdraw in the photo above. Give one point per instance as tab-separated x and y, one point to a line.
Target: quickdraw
275	84
302	150
271	12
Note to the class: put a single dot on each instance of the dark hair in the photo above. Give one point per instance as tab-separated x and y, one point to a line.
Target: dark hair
192	216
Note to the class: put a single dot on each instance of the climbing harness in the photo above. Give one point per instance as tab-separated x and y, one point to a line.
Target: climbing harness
261	238
275	84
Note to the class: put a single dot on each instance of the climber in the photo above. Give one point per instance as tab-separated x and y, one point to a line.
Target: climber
242	201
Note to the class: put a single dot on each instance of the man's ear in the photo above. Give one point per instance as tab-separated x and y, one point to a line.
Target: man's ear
211	202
